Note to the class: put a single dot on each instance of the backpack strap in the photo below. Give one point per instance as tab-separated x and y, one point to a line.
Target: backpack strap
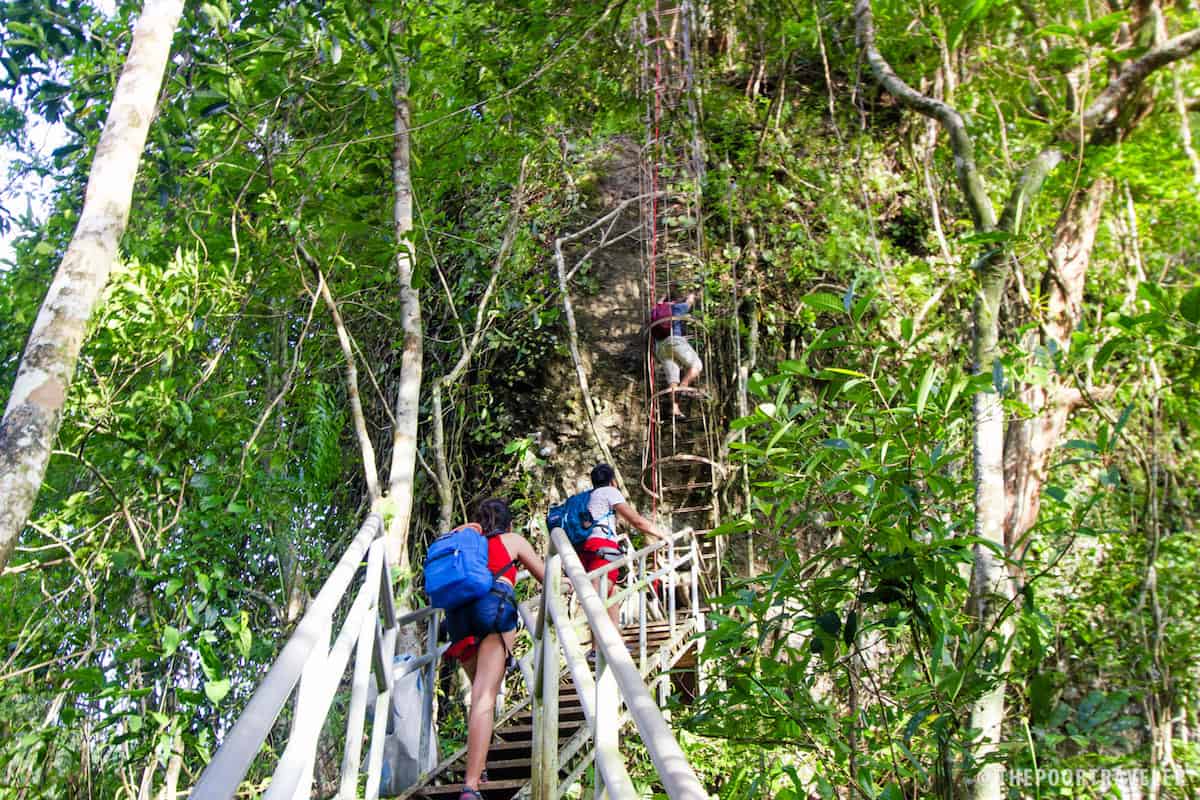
504	599
603	522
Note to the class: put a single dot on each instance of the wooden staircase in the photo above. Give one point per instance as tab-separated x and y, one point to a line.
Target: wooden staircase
510	758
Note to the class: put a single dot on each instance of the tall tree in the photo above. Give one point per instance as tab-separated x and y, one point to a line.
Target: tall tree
34	413
408	395
1009	476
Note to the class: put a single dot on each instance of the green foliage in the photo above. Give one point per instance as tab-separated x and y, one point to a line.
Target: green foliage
206	474
872	467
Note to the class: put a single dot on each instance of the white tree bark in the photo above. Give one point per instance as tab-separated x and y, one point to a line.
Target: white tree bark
408	395
34	413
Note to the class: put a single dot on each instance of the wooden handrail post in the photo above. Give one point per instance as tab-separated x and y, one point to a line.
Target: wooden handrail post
357	712
383	710
431	649
673	576
697	617
545	753
642	616
605	726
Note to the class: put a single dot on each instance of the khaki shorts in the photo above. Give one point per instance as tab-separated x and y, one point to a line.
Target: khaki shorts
674	352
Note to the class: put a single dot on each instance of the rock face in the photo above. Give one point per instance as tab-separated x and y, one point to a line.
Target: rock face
609	297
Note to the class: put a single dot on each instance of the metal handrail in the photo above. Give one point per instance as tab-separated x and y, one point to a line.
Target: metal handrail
370	632
616	681
313	666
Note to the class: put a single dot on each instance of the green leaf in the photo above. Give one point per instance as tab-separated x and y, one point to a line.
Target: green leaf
216	690
213	15
1057	29
212	109
1120	425
851	628
62	152
824	301
170	640
1189	306
173	586
1043	692
12	68
1107	350
1155	296
987	237
244	641
829	622
926	385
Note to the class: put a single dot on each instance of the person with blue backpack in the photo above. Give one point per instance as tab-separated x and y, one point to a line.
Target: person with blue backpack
471	572
590	522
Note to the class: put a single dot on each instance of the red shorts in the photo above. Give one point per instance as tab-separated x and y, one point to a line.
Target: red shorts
592	559
463	650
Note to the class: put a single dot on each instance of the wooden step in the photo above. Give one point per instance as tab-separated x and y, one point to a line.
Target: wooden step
682	487
503	770
514	733
565	712
509	762
491	790
692	509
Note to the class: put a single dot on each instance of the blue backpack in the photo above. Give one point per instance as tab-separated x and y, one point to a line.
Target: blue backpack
456	568
574	518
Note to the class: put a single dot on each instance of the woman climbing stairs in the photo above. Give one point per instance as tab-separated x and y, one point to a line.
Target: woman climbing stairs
510	758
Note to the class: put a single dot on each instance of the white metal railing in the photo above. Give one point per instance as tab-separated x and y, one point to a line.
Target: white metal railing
617	688
615	693
370	632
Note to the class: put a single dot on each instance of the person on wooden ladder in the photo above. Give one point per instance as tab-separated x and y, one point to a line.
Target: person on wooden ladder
472	573
671	346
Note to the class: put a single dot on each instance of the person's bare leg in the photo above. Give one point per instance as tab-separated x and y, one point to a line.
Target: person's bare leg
691	376
675	409
487	671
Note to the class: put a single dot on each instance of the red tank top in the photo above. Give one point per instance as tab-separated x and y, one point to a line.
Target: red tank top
500	562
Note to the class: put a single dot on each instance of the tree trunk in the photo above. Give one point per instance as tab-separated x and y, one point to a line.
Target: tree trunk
1030	442
34	413
404	435
989	585
170	787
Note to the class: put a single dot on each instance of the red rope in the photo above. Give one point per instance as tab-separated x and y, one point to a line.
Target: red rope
654	156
